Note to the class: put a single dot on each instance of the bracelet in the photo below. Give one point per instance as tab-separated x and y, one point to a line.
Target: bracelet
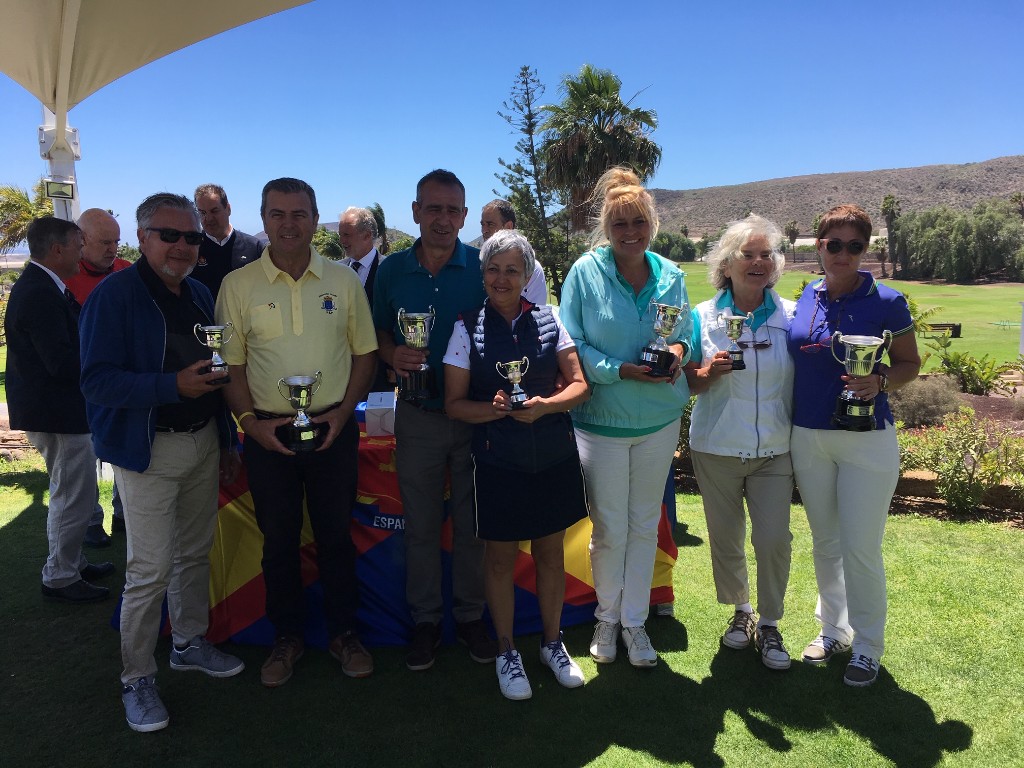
241	416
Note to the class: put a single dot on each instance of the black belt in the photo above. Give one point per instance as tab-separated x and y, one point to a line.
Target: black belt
311	414
424	408
187	428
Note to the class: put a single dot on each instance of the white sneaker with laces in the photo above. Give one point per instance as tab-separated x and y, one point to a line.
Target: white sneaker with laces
567	672
638	644
511	676
143	709
202	656
740	631
604	646
768	641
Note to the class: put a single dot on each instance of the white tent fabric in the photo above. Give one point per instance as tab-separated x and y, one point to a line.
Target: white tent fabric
62	51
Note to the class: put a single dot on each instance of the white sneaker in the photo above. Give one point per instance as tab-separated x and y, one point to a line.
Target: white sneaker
567	672
511	676
604	648
641	652
768	641
740	631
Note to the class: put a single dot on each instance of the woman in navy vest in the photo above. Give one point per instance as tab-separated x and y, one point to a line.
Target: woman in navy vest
529	484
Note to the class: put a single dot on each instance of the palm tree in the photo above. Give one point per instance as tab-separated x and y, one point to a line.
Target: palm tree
18	210
592	130
890	212
792	231
882	246
382	227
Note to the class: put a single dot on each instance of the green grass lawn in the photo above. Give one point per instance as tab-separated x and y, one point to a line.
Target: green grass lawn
950	692
976	307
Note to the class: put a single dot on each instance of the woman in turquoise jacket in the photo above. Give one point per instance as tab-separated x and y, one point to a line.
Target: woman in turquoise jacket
628	431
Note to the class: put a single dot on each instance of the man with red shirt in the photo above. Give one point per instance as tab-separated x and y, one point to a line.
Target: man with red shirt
100	235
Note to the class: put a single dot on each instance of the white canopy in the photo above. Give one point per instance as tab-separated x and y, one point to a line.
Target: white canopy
62	51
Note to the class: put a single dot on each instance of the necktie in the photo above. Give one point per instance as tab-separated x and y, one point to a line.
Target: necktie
356	265
75	306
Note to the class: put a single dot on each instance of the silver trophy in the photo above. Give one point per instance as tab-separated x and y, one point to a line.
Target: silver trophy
656	355
862	352
212	336
734	329
415	328
302	434
514	372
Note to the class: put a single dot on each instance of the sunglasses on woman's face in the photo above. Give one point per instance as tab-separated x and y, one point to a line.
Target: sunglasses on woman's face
853	247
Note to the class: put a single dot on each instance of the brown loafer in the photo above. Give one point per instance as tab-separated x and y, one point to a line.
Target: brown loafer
355	660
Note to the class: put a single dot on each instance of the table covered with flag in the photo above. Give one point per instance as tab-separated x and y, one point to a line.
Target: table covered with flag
236	578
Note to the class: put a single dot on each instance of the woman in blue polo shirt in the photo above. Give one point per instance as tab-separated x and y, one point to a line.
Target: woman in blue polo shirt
847	478
628	431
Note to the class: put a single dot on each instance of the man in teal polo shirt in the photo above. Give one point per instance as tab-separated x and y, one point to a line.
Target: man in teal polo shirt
439	271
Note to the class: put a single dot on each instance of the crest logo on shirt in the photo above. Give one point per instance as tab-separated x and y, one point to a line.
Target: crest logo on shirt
201	262
329	303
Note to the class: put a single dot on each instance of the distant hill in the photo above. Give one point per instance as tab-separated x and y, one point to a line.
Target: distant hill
801	198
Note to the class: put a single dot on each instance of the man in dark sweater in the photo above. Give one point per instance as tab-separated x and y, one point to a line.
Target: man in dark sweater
224	248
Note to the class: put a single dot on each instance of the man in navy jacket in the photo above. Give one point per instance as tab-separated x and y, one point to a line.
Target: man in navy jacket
44	398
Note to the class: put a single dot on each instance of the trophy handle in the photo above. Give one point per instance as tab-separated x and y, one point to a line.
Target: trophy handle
232	333
319	380
280	382
526	365
837	336
498	368
195	332
886	342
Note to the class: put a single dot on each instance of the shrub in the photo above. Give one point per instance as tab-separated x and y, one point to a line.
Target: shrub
683	448
968	455
924	402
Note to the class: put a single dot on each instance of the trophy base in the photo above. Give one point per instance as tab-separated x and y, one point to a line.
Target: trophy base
225	379
854	415
300	439
737	360
418	385
518	402
659	361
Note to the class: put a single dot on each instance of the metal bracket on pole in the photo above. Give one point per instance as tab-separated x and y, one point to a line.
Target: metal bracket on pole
61	150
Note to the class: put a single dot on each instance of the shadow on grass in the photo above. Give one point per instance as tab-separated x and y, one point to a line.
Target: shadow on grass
452	715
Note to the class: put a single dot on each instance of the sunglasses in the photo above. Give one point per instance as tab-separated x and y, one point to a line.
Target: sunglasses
169	235
853	247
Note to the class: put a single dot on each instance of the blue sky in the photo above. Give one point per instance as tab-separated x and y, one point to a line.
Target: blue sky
361	100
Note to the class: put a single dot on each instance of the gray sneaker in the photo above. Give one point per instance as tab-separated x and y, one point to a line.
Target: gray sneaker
142	706
203	656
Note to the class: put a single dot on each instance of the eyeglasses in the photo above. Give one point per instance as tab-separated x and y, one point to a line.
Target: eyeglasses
813	349
755	344
169	235
853	247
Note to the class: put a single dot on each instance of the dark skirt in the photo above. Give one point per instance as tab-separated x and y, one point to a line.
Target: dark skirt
512	505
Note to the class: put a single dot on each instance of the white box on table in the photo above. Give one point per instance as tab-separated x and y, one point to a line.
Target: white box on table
380	414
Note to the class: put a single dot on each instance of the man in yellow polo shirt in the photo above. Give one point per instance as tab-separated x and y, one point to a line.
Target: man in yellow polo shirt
295	313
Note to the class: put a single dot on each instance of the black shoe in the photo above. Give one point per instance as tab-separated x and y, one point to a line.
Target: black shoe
426	637
473	634
96	537
117	524
79	592
94	571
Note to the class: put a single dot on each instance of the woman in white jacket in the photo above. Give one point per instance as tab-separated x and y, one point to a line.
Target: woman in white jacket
739	432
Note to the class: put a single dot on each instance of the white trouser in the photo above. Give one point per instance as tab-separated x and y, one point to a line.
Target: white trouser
625	480
846	481
71	464
170	511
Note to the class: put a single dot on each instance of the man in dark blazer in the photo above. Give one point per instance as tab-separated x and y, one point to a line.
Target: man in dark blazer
45	400
224	248
357	231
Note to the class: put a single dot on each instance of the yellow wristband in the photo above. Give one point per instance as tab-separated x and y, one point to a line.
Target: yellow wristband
241	416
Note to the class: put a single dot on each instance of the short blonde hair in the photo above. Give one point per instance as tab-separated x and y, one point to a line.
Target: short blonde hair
730	246
619	190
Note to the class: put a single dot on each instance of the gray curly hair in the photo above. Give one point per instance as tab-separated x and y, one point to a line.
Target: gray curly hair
730	246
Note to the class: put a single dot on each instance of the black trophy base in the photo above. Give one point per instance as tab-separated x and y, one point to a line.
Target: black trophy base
301	439
737	360
225	379
853	414
418	385
518	401
659	361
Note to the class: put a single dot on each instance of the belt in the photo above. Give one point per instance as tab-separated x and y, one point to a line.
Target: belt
424	408
311	414
186	429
